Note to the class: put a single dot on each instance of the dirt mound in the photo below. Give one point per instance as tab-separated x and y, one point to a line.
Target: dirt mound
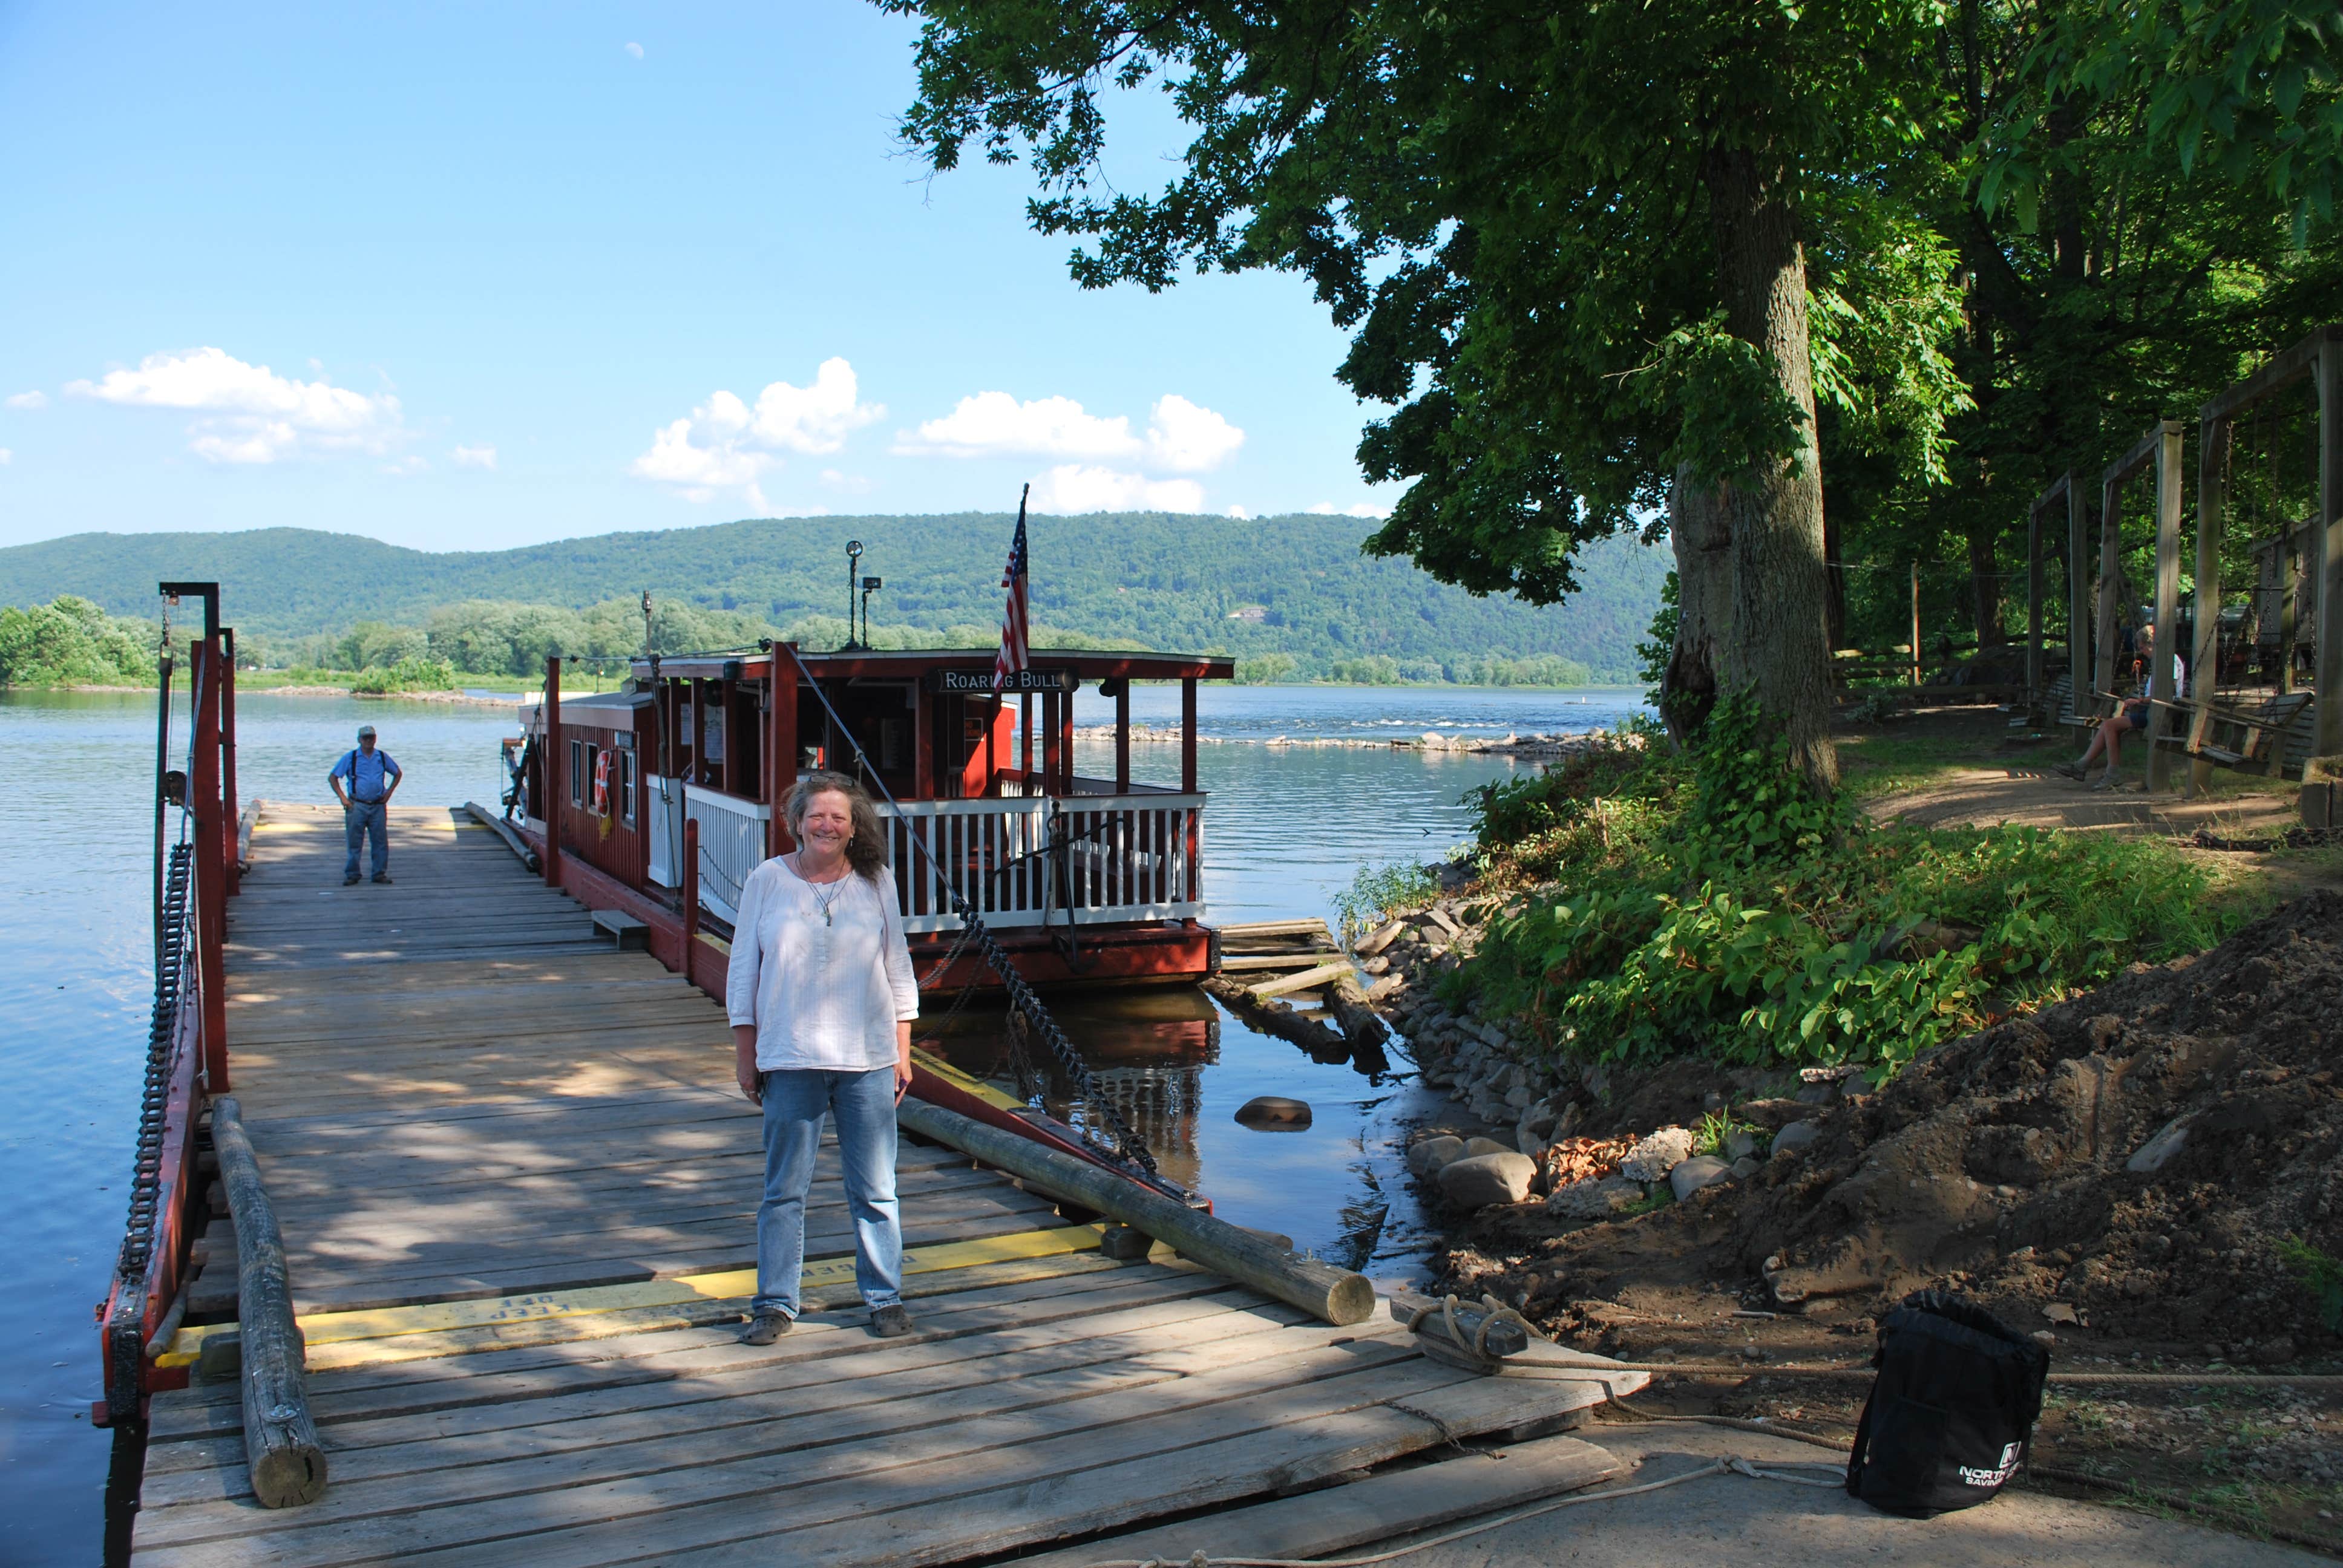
2132	1161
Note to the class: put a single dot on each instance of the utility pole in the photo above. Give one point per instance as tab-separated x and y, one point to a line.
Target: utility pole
647	623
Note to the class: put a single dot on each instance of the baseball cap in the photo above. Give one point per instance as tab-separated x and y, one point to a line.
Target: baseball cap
366	731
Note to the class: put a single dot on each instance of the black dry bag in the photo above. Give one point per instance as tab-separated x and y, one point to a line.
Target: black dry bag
1952	1410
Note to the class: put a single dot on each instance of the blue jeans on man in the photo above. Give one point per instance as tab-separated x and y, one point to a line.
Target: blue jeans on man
862	1104
362	819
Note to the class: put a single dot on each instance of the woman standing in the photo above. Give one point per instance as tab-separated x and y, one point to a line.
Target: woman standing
821	999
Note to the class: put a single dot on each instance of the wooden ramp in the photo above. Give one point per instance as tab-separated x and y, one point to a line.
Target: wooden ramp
518	1194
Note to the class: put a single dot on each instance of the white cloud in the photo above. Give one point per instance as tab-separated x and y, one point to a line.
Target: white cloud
853	484
1355	510
1181	437
6	456
816	419
251	415
995	424
1187	439
1241	514
27	401
475	457
724	445
636	50
409	464
1077	488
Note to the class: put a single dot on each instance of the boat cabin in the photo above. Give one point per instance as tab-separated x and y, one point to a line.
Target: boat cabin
1086	877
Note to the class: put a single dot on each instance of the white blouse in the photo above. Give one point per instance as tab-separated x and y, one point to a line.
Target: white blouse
821	970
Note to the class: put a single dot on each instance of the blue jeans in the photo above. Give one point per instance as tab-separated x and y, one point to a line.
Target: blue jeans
862	1105
356	823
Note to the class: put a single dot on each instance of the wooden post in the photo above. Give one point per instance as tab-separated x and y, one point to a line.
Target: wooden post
2079	602
2111	612
210	842
2289	576
554	760
280	1440
1049	759
690	890
2167	598
231	816
1915	623
2034	606
783	769
1025	745
1066	737
1122	736
2327	554
992	746
1188	735
2213	441
1334	1295
699	733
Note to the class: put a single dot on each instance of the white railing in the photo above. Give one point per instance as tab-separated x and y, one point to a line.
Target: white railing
731	845
1024	862
666	826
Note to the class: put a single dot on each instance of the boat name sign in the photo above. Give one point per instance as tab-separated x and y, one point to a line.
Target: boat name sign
981	680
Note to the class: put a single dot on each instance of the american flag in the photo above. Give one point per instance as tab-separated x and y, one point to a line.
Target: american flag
1015	652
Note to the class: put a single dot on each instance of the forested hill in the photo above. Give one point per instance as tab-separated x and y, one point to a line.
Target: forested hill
1294	586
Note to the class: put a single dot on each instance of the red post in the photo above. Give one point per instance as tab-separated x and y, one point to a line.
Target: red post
1188	735
781	747
1123	737
551	772
1066	738
204	798
232	818
691	890
1025	746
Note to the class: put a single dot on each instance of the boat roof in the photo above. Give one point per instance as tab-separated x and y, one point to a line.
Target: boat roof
909	663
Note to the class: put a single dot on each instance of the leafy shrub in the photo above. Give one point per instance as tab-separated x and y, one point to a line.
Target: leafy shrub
1723	909
413	673
2321	1272
70	641
1379	891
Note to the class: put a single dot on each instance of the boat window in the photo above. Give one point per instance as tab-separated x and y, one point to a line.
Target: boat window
626	788
578	773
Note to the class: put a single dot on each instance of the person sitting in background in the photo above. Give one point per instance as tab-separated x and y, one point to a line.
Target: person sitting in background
373	778
2129	716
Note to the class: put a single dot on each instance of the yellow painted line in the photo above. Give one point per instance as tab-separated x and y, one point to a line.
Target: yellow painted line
438	1317
930	1063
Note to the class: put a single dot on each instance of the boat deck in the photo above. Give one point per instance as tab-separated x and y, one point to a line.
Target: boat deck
517	1189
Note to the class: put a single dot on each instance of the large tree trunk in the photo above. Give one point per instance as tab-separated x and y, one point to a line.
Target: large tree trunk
1701	531
1773	640
1984	589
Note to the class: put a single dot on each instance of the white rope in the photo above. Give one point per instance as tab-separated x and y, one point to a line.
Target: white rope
1729	1466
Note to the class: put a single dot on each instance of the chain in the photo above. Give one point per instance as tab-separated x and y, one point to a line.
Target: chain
162	1042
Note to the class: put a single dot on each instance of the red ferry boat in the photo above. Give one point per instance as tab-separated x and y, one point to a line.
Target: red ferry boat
659	799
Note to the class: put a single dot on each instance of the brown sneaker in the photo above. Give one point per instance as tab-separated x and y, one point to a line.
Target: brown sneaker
890	1322
765	1327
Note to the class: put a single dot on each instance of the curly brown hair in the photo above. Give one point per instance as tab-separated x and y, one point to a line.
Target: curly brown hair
867	850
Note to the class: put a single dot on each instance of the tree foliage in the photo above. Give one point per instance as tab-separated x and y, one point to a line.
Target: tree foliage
70	641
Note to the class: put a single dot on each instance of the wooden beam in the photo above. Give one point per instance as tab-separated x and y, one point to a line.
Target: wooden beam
2290	366
1334	1295
2034	605
1188	735
2327	550
2167	588
1122	738
2213	445
233	855
1308	980
2078	599
280	1441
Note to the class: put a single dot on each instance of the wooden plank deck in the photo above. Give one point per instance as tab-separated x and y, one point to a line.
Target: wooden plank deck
518	1194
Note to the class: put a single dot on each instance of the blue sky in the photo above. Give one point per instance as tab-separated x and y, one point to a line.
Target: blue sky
474	277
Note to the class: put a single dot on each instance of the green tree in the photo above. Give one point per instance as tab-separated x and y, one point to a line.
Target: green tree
1581	250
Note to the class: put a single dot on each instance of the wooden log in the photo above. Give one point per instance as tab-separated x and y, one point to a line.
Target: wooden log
1276	929
1334	1295
1276	1017
1308	980
1243	961
1347	999
1426	1315
1379	939
503	829
280	1440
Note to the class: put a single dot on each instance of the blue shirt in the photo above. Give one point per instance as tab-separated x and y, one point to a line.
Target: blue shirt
369	776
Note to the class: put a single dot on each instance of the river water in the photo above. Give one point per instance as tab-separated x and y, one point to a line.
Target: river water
1286	830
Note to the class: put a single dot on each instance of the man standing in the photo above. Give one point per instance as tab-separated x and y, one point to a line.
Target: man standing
372	778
